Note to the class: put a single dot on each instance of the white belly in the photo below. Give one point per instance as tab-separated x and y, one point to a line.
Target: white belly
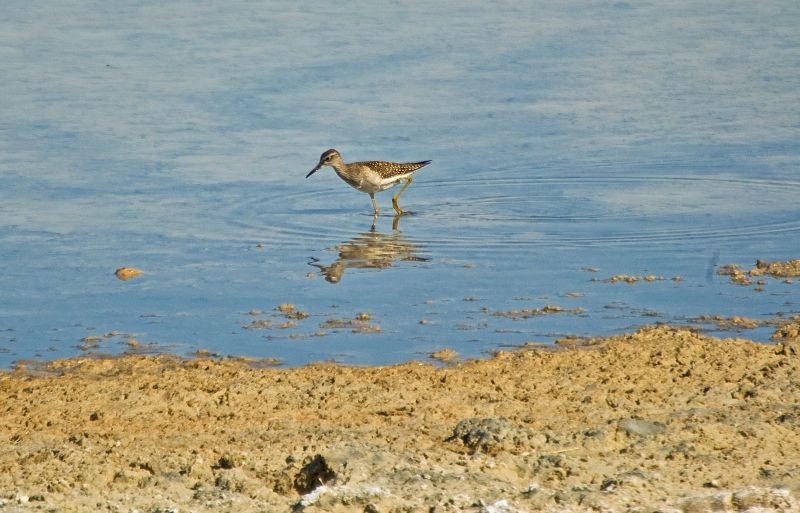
372	182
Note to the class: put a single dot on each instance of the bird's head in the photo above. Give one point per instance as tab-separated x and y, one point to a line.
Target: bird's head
329	158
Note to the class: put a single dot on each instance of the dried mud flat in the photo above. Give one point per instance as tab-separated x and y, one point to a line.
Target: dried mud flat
660	420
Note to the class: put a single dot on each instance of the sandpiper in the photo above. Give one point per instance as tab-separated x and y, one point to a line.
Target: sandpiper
371	176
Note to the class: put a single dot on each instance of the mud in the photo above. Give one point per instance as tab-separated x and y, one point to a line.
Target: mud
659	420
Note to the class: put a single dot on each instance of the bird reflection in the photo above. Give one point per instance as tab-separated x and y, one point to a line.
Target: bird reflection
370	250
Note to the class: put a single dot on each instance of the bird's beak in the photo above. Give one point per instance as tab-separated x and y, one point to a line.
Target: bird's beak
314	170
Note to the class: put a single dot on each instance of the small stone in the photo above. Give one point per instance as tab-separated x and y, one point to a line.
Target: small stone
126	273
609	485
532	489
641	427
757	499
226	461
706	503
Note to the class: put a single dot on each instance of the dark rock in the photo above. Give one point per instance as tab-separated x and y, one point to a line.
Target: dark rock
492	435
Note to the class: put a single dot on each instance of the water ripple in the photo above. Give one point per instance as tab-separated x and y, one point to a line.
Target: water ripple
495	213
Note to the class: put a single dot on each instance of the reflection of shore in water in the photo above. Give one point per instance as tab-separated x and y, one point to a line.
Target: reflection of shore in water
370	250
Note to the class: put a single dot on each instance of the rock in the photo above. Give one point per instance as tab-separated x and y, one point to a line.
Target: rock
234	480
126	273
747	500
315	472
641	427
499	506
492	435
227	461
751	499
706	504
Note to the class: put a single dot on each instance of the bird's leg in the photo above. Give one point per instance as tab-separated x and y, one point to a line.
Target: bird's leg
374	211
374	204
394	198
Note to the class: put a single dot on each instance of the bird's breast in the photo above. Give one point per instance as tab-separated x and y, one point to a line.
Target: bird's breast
364	180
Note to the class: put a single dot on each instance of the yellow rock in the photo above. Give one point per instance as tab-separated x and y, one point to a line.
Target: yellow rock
126	273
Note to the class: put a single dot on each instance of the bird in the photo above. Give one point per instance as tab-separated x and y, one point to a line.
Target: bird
371	176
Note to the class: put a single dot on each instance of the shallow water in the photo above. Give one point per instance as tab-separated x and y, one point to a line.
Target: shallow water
570	143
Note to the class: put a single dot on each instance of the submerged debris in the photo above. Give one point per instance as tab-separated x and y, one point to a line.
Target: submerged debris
259	324
736	273
788	330
290	312
787	270
358	324
533	312
136	347
285	310
367	328
627	278
445	355
729	323
93	341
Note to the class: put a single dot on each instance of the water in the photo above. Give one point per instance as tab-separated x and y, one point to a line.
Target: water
570	142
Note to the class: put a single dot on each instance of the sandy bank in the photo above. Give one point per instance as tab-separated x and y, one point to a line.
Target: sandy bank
660	420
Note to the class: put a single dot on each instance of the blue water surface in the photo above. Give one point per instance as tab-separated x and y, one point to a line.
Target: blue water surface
571	141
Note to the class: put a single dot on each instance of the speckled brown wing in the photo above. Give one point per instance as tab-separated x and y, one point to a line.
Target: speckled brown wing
391	169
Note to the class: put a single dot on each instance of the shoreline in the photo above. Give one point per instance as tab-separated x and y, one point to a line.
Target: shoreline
662	419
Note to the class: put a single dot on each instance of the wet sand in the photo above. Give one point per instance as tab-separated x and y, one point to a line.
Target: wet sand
659	420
